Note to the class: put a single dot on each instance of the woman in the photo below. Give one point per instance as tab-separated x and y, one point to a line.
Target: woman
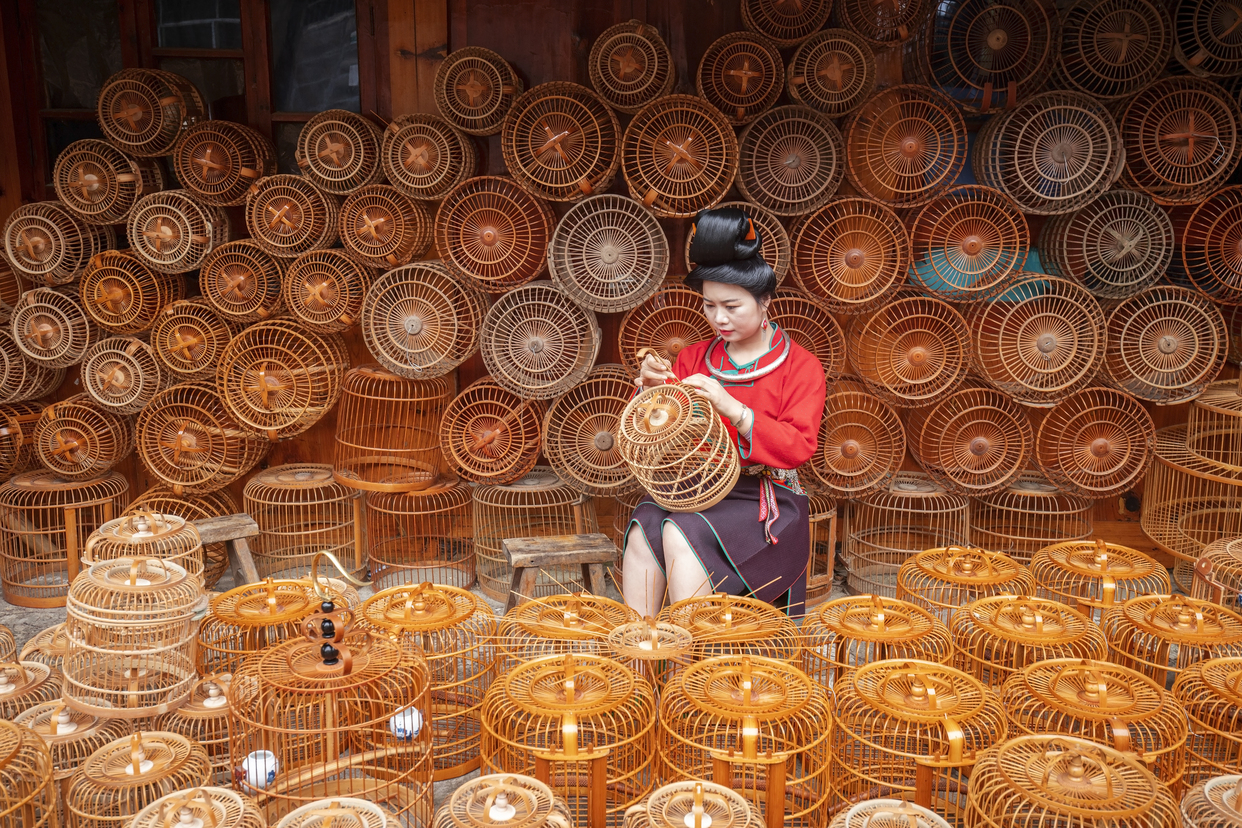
770	392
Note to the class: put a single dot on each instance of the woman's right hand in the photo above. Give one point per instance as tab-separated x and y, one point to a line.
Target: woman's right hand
653	371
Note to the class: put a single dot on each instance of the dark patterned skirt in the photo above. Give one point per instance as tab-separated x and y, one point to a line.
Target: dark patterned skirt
732	547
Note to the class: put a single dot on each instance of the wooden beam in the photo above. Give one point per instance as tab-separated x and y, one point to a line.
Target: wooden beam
417	44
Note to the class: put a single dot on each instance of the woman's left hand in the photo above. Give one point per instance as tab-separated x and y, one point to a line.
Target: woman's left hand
724	402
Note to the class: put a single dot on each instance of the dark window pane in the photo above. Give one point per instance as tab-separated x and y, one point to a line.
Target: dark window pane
80	46
199	24
287	147
61	134
314	55
221	82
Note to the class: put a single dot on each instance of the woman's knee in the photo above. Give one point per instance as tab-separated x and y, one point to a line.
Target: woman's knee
675	543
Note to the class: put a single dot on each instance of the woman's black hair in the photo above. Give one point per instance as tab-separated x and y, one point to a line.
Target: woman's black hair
725	248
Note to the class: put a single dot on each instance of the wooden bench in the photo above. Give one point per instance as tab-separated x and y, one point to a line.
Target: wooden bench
529	555
232	531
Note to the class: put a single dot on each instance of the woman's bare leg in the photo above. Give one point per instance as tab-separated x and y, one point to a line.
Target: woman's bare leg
686	578
642	578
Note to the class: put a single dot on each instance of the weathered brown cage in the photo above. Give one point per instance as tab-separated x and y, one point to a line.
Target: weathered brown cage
204	720
287	215
100	183
149	536
791	160
242	281
1218	573
740	74
11	289
489	434
578	623
144	111
1094	576
122	374
29	797
382	227
121	293
48	245
301	511
913	730
1200	43
1209	693
1162	635
1110	49
1027	516
172	231
948	577
832	71
774	244
159	498
666	322
1212	804
217	806
475	87
424	156
46	647
580	433
679	156
17	423
785	26
1214	427
1096	443
217	161
630	65
881	25
25	685
967	244
906	145
975	441
188	338
912	351
853	254
22	378
45	521
324	290
492	233
339	151
608	253
1206	261
500	797
426	535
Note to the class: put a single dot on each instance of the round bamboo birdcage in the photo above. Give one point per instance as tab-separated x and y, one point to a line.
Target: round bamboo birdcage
122	374
421	321
490	435
1211	694
538	504
999	636
493	234
912	351
906	145
1110	49
608	254
1214	427
123	295
217	161
1160	126
28	797
1214	803
975	441
861	442
145	111
204	720
537	342
886	24
774	243
851	632
338	711
1161	635
1116	246
49	245
149	536
387	431
161	499
734	626
580	433
1054	153
785	26
1218	573
1096	443
302	510
24	685
242	281
475	88
1066	779
561	141
424	156
188	337
188	440
100	183
1040	341
21	378
17	423
757	725
947	577
1209	246
741	74
45	521
8	645
47	646
654	649
820	569
1094	576
287	215
887	812
630	65
456	630
666	322
79	439
339	151
853	255
833	71
1202	39
324	290
500	798
914	730
1028	515
132	637
968	244
886	528
579	623
172	231
335	810
1104	703
679	156
279	379
426	535
983	55
678	448
381	227
218	807
791	160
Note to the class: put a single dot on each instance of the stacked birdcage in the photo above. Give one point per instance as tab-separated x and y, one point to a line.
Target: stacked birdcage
162	500
301	511
1218	573
948	577
735	625
47	646
28	797
1211	694
1216	803
1027	516
820	568
578	623
24	685
79	439
189	337
425	535
1094	576
123	374
8	644
861	444
218	807
250	618
204	720
654	649
499	798
149	535
1162	635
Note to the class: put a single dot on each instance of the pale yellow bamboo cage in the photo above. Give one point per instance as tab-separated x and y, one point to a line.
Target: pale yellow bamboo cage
1216	803
1163	635
1211	694
503	797
27	797
945	578
1094	576
215	806
188	338
1214	425
1027	516
301	511
24	685
79	439
889	812
338	151
147	534
1218	573
653	649
160	498
48	245
681	803
322	813
424	156
122	293
100	183
51	328
123	374
48	646
204	720
241	280
8	644
578	623
735	625
22	378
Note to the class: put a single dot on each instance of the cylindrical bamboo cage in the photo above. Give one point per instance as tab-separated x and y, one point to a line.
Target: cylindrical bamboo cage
741	74
499	798
49	245
288	215
792	159
1162	635
100	183
323	813
810	323
1096	443
145	111
159	498
733	625
1205	260
427	535
22	378
215	806
24	685
147	535
204	720
123	374
1211	694
475	87
28	796
945	578
861	443
493	234
1027	516
578	623
851	632
424	156
820	569
666	322
580	433
172	232
301	511
189	337
382	227
324	289
242	281
79	439
47	647
1214	426
1218	573
338	151
1216	803
490	435
51	328
630	65
1094	576
653	649
1091	57
217	161
912	351
832	71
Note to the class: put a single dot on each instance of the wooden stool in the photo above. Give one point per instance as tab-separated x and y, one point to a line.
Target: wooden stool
528	555
233	530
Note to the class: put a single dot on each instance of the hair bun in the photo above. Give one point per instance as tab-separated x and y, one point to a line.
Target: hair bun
723	235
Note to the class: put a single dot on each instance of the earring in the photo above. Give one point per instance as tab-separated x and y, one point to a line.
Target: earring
765	323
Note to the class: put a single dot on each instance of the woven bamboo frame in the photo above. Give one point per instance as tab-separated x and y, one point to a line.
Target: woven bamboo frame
22	378
324	812
945	578
1214	427
832	71
502	797
27	684
490	435
785	26
121	293
630	65
653	649
1209	693
287	215
968	244
881	25
17	423
49	245
47	647
29	797
851	632
301	510
419	536
853	255
122	374
204	720
887	812
1218	573
381	227
580	433
1096	443
188	338
1094	576
1162	635
150	536
861	444
242	281
11	289
8	645
912	351
1212	804
975	441
216	806
578	623
492	233
161	499
339	151
667	322
792	159
1111	49
172	231
1198	42
424	156
740	74
144	111
474	88
1027	516
1206	260
324	290
732	626
217	161
100	183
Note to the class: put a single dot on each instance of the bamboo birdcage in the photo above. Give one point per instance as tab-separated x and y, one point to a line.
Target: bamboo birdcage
11	289
1054	153
426	535
145	111
8	645
1160	126
475	88
492	233
538	504
630	65
421	321
608	253
832	71
500	798
121	293
887	812
968	244
654	649
78	439
1162	635
172	232
912	351
1040	341
1215	803
679	156
1064	780
48	245
242	281
1110	49
1096	443
1103	703
1202	42
150	536
1116	246
381	227
287	215
188	338
22	378
784	26
424	156
44	524
850	632
1094	576
47	646
324	290
1027	516
791	160
948	577
301	511
24	685
910	514
51	327
537	342
1208	253
905	146
880	24
490	435
975	441
740	74
204	720
1218	573
1211	694
774	243
666	322
161	499
339	151
122	374
100	183
580	433
17	423
853	255
1214	426
217	807
579	623
28	797
335	810
217	161
820	568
